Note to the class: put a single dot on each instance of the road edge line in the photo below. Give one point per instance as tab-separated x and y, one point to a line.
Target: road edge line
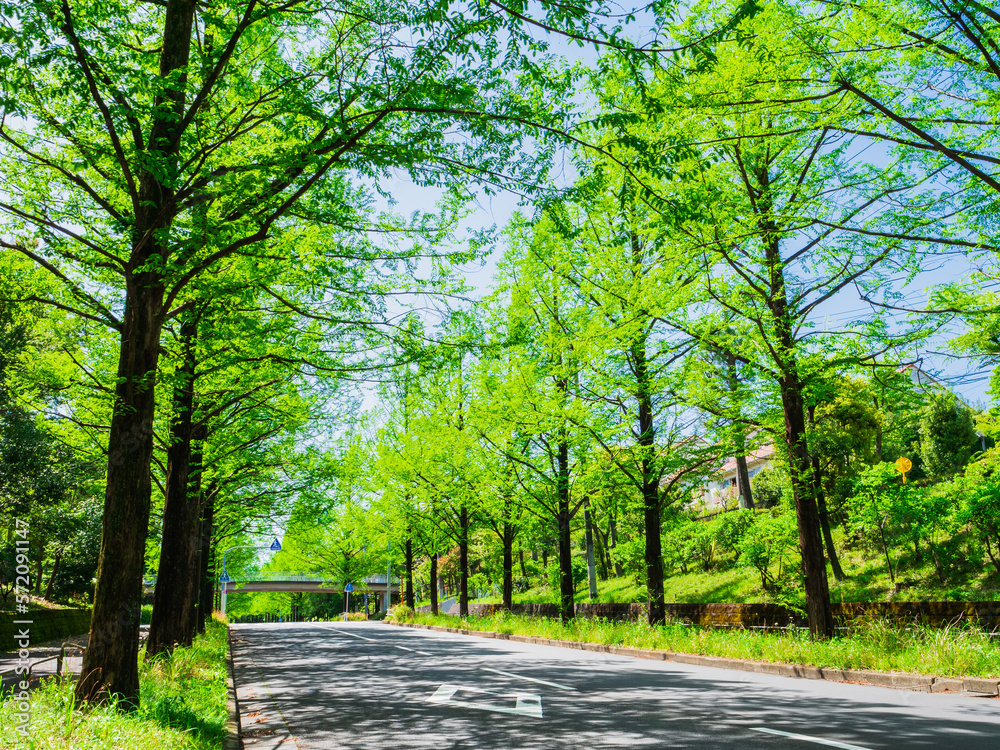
234	733
895	680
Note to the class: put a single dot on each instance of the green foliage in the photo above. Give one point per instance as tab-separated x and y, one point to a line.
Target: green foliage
770	542
980	493
771	488
947	435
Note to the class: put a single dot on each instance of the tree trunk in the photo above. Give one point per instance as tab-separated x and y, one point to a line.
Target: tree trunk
434	583
110	664
824	518
176	595
463	561
206	577
806	512
656	609
52	576
410	601
508	565
524	569
567	593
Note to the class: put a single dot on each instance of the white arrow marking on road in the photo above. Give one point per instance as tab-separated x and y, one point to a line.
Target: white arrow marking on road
807	738
526	704
529	679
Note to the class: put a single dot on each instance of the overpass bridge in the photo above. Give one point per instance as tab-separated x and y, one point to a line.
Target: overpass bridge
315	583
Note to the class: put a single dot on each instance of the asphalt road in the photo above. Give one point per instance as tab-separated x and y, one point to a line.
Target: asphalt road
369	685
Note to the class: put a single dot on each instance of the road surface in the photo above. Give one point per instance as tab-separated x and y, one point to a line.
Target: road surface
320	686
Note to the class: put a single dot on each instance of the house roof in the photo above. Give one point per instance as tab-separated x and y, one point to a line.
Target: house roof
761	454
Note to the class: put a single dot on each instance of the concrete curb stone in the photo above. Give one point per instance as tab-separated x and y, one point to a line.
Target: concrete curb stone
234	734
896	680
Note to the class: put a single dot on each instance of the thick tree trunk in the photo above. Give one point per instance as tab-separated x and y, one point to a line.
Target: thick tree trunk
463	561
110	664
410	601
508	565
434	583
176	595
567	593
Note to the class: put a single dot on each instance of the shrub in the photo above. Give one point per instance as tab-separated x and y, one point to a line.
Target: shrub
400	613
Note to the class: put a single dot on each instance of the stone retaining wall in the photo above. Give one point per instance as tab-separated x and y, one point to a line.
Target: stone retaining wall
984	614
46	625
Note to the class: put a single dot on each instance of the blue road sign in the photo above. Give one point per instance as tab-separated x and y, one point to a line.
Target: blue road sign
275	545
224	578
348	587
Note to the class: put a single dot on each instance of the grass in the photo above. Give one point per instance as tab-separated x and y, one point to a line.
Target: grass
873	645
182	706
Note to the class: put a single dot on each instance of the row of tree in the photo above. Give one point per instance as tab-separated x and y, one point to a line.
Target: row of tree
203	189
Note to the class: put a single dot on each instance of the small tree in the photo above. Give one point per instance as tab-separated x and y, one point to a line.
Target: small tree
947	435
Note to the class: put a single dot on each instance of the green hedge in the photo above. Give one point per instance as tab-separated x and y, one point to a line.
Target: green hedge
46	625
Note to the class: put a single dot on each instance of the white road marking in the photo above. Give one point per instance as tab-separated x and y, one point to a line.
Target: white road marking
373	640
526	704
422	653
529	679
807	738
353	635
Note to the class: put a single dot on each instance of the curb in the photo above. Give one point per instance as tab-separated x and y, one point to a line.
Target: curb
234	735
901	681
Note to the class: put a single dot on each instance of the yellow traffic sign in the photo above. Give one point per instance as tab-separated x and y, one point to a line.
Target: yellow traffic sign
903	465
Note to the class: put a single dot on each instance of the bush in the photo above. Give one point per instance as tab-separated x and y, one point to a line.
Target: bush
770	540
400	613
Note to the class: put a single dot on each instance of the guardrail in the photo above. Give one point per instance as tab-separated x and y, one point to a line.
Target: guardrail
59	658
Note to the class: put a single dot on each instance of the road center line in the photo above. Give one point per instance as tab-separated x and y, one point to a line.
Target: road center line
529	679
807	738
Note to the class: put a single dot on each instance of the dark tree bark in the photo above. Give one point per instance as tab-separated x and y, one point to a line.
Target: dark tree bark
410	600
434	583
567	593
806	511
463	561
524	569
656	608
110	663
176	595
508	565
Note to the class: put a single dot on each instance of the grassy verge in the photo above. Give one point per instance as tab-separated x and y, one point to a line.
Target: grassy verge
182	707
877	646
